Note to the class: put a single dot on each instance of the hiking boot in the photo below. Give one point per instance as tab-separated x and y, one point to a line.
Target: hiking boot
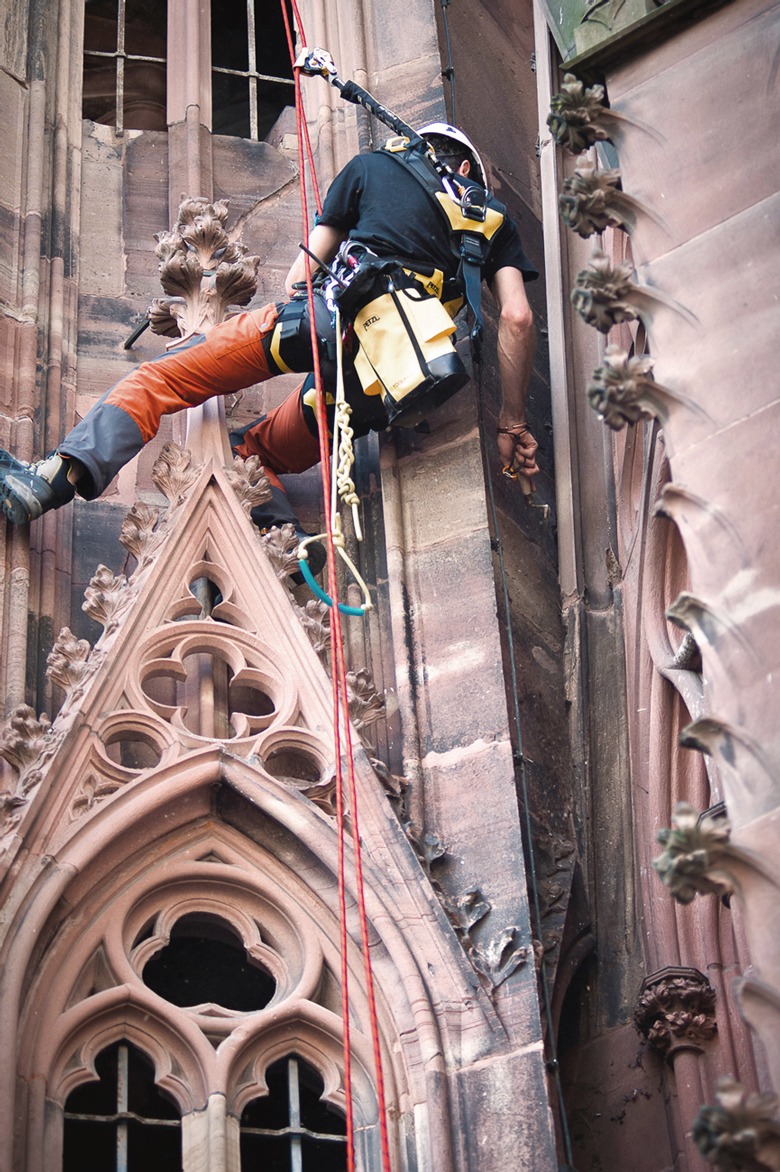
277	512
28	490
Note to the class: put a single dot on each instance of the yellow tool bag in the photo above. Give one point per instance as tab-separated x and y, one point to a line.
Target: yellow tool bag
406	353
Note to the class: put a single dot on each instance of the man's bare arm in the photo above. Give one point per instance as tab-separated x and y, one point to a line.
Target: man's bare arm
323	242
516	346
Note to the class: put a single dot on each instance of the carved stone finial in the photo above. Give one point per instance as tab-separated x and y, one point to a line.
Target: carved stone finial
592	201
692	848
174	472
249	481
578	115
67	664
139	533
201	269
675	1011
366	706
315	617
105	597
740	1134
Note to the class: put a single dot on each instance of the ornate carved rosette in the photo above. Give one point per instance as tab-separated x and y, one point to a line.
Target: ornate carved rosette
675	1011
692	847
740	1134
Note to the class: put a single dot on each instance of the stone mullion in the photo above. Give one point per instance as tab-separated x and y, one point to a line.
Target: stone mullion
189	103
190	157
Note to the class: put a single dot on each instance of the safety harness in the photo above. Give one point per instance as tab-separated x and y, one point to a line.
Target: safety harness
471	215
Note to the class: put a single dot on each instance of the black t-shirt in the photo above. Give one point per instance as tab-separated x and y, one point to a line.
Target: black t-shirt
377	201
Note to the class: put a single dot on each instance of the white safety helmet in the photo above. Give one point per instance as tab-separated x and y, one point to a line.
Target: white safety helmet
445	130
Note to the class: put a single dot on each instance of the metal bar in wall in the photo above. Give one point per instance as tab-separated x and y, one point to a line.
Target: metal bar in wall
254	125
122	1105
294	1093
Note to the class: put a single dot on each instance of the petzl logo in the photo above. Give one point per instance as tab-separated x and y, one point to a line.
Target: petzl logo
370	321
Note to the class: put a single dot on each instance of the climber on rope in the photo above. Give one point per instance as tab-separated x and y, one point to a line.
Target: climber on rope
406	235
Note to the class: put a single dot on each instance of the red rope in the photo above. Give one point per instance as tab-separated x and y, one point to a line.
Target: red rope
339	682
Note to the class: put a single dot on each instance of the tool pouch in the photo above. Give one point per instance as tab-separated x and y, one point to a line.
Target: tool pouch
406	354
290	341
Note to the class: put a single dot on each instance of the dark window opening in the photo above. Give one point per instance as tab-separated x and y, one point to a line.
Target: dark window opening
251	71
123	1122
205	962
291	1129
124	63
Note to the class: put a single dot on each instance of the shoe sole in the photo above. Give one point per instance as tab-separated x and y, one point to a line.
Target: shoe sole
19	502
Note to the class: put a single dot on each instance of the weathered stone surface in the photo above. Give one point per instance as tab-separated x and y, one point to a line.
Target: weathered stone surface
101	269
14	105
615	1105
688	91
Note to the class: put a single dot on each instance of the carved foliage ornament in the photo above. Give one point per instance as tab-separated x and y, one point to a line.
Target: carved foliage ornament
740	1134
105	598
623	389
676	1011
592	201
26	743
174	473
67	664
315	617
604	294
249	481
140	534
692	849
578	115
366	706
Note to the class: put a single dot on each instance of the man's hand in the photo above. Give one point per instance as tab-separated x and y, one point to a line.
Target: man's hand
517	448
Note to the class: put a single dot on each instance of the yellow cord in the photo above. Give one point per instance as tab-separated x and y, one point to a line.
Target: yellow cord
342	483
343	451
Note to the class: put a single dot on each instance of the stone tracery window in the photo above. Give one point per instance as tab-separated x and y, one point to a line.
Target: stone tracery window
125	66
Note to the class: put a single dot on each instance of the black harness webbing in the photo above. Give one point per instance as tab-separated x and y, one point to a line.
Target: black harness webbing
470	245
